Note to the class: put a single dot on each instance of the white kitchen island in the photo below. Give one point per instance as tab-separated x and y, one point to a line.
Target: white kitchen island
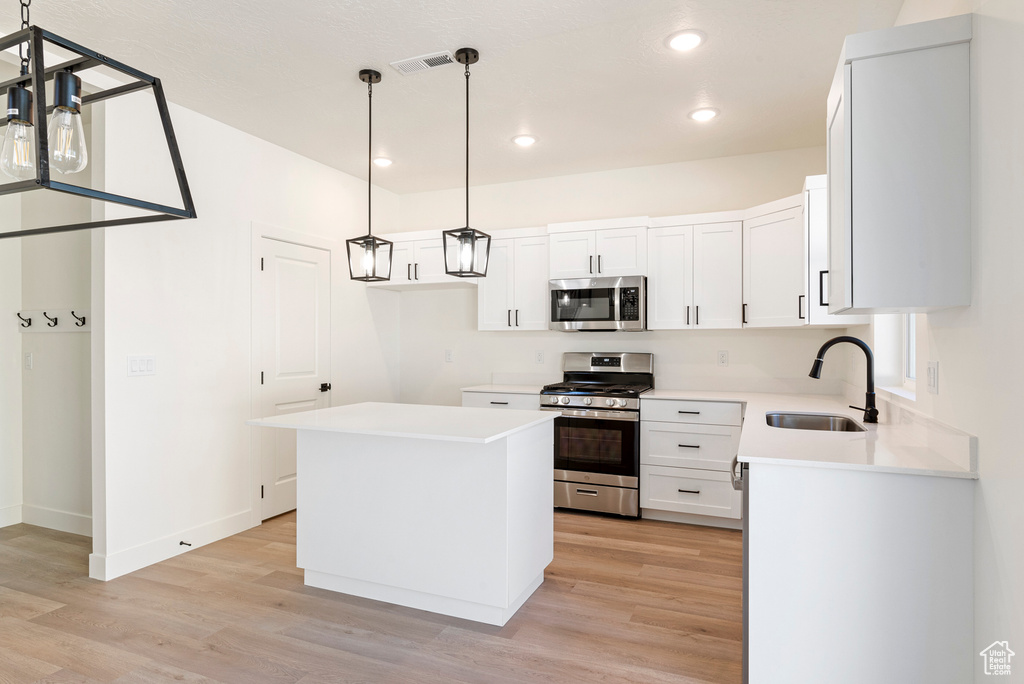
440	508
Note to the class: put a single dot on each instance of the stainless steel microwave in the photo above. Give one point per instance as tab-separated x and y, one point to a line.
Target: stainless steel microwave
598	304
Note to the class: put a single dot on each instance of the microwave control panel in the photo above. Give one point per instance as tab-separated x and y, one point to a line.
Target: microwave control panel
629	304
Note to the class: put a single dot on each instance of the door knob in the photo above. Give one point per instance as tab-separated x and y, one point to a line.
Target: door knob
325	387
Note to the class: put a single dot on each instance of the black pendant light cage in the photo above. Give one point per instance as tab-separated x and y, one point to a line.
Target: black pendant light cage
36	78
466	250
369	257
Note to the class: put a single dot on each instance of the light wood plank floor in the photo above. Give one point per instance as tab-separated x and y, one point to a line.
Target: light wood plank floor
623	601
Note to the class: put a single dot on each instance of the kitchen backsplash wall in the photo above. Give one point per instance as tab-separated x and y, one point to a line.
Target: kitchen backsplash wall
434	322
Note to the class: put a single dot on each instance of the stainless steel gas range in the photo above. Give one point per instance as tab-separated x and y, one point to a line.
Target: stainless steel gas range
597	437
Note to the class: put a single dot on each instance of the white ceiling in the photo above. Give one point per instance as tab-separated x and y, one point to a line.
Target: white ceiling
591	79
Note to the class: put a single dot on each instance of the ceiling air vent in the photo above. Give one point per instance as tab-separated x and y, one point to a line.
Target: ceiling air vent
424	62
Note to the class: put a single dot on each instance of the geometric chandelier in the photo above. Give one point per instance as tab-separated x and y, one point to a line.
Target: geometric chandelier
29	149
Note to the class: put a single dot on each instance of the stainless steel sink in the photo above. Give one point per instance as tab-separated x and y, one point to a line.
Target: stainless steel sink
813	421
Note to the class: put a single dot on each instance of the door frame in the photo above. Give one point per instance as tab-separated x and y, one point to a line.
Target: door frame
260	231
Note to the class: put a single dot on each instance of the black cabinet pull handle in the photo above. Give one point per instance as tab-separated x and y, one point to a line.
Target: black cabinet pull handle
517	318
691	413
416	271
697	321
687	314
408	271
591	264
821	288
598	263
689	446
500	403
509	317
800	307
744	313
689	491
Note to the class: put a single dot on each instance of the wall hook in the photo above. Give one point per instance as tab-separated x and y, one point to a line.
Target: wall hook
80	320
25	322
53	321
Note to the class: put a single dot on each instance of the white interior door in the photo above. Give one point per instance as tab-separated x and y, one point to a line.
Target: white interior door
296	356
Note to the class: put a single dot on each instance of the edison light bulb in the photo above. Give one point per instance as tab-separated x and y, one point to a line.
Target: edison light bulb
466	254
66	134
368	259
18	152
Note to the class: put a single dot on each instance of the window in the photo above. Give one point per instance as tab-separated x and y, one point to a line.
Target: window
909	352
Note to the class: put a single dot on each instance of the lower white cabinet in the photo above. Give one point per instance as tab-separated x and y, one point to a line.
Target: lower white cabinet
501	400
686	452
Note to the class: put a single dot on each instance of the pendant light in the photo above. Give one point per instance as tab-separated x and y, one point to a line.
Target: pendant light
31	150
466	250
369	257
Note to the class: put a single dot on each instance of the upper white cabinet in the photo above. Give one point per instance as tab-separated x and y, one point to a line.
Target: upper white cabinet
899	170
417	259
587	249
514	295
695	278
815	216
775	265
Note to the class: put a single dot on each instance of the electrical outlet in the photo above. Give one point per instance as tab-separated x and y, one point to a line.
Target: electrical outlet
723	358
540	357
28	361
933	377
449	356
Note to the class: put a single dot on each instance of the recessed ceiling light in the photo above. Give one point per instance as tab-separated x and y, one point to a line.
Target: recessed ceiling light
705	114
382	161
524	140
685	40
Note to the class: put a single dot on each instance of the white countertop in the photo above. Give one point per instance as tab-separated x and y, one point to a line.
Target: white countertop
505	389
903	442
446	423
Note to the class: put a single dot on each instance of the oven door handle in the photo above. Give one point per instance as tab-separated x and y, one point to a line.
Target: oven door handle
628	416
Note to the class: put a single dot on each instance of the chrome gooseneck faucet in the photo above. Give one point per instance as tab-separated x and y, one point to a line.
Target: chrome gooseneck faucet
870	412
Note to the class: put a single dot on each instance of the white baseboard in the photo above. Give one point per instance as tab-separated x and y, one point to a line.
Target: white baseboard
690	519
10	515
112	565
53	519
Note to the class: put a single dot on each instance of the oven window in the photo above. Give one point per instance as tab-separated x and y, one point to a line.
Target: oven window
597	446
596	304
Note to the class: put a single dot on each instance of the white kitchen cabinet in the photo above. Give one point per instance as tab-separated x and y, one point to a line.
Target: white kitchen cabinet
605	248
686	452
419	260
775	265
815	214
501	400
514	295
695	272
899	170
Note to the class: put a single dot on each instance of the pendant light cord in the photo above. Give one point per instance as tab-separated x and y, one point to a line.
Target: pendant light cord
467	145
24	25
369	161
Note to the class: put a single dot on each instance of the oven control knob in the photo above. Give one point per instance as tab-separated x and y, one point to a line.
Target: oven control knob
609	402
622	402
554	400
588	401
564	400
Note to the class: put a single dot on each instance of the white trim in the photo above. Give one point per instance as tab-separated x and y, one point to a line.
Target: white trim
897	392
114	565
600	224
691	519
697	219
11	515
53	519
784	204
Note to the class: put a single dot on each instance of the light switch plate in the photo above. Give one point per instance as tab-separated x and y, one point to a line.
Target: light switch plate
933	377
141	365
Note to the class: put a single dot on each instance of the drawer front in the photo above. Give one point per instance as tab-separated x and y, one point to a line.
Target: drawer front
618	500
699	492
502	401
710	447
704	412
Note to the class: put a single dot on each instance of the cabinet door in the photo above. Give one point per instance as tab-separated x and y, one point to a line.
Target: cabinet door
573	255
531	310
774	269
429	263
718	275
840	287
622	252
816	225
670	278
494	293
401	262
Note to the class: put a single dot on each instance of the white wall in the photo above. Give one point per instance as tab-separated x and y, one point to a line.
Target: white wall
175	457
10	369
981	369
663	190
